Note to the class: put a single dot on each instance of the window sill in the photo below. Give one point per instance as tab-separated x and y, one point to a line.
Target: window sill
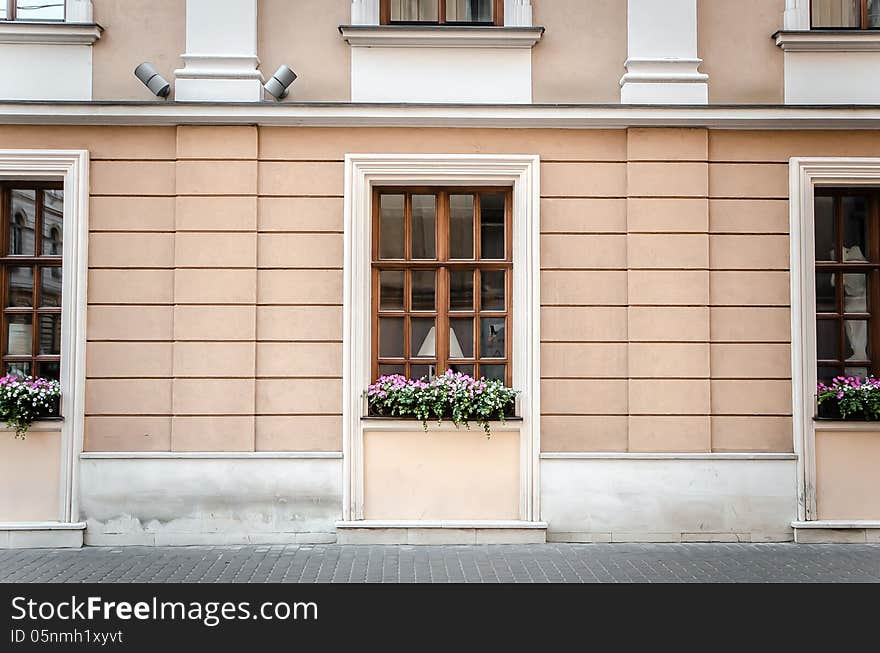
49	33
412	424
431	36
828	40
831	424
47	424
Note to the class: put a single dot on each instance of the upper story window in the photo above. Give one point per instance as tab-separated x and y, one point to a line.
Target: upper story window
442	12
32	10
845	14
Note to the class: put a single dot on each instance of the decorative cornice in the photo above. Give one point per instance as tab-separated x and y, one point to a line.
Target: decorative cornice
430	36
49	33
829	40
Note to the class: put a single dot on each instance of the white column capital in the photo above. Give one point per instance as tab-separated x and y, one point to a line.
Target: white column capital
662	65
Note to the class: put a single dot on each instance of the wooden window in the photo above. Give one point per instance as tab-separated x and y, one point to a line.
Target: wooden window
442	12
442	264
847	282
32	10
845	14
30	277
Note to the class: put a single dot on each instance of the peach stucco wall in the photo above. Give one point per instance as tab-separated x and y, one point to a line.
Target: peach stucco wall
29	476
847	486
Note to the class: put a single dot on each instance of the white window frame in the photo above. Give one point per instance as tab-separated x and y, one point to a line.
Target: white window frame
362	173
517	13
72	168
805	175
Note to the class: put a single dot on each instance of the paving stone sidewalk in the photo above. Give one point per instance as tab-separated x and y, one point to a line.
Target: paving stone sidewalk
325	563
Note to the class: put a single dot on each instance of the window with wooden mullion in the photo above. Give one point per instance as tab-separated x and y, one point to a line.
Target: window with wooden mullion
32	10
845	14
442	12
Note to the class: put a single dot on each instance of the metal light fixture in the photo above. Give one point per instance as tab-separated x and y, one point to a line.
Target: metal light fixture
280	82
157	84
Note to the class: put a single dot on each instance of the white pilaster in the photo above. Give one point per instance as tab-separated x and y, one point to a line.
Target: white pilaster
517	13
364	12
662	62
220	62
797	15
78	11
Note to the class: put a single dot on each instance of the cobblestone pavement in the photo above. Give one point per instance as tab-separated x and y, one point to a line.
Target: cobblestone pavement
603	563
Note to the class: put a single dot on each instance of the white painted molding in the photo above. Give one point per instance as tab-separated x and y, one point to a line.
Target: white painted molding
72	167
804	175
210	455
829	41
797	15
362	172
601	455
42	526
78	11
397	36
427	523
49	33
836	523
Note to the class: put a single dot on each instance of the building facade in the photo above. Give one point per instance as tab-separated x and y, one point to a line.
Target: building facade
658	221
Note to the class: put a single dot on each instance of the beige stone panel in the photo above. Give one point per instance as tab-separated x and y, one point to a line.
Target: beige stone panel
752	434
127	434
213	397
583	251
226	433
749	288
215	286
130	322
215	250
748	216
216	177
299	396
302	179
110	286
668	251
779	146
300	214
583	360
583	215
583	324
668	324
331	143
209	142
300	251
131	250
574	433
299	359
667	144
663	434
128	359
748	180
667	179
583	287
132	178
128	396
29	478
847	485
732	38
131	214
750	324
299	323
583	180
214	323
750	361
300	287
583	397
751	397
214	359
216	213
102	141
669	397
667	287
665	214
668	359
740	252
299	433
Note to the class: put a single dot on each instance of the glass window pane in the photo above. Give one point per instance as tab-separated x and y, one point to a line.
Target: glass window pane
388	370
492	290
414	11
424	212
855	228
19	335
391	337
492	338
461	338
39	10
492	226
874	14
50	286
826	229
836	13
856	371
20	290
855	292
826	374
827	340
423	338
469	11
53	213
857	340
423	290
826	292
421	371
50	334
464	369
461	226
49	370
19	368
391	290
461	290
391	226
21	222
493	372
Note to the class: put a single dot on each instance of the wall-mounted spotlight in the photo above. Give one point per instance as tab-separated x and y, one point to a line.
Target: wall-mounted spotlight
279	82
157	84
